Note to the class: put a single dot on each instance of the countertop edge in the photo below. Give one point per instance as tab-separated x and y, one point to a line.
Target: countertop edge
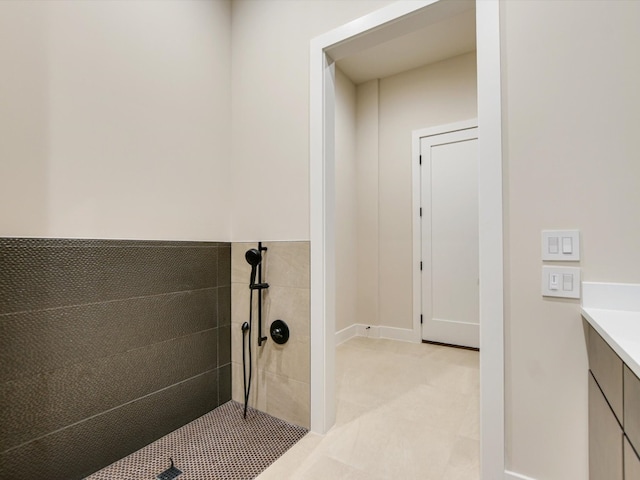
592	315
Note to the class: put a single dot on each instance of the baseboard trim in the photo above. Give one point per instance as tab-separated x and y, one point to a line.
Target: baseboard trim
515	476
375	331
345	334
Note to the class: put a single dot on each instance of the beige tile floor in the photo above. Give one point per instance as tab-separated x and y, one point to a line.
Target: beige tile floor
404	411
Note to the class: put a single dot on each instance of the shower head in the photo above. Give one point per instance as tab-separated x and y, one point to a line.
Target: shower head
253	257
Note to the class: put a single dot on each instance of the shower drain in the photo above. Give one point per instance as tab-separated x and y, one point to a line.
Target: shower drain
170	473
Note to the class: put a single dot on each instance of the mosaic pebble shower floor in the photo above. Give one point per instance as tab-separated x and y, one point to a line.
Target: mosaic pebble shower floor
220	445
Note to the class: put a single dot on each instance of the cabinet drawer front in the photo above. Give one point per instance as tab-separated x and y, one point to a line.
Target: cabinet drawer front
632	407
631	462
605	438
606	367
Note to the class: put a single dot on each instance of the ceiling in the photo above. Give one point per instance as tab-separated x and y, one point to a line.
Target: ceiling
445	39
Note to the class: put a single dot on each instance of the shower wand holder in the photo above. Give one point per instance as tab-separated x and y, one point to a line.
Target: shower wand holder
259	286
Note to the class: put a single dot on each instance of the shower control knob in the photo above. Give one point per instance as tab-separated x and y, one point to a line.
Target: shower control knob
279	332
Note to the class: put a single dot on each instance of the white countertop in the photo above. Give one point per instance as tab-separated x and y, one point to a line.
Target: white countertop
613	310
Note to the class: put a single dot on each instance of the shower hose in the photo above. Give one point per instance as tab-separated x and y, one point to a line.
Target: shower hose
246	345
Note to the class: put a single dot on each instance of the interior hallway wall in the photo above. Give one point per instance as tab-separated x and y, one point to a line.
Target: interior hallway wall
115	119
347	240
270	120
367	208
571	102
436	94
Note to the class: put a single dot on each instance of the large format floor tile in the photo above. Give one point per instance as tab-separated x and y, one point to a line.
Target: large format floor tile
404	410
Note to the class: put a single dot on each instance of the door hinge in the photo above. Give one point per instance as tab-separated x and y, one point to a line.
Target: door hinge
420	159
420	266
420	211
420	319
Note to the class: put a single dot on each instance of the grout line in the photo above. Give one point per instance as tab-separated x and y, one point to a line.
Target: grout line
107	411
76	305
91	360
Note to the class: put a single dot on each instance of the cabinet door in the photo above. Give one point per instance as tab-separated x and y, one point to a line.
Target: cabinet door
605	438
606	368
631	462
632	407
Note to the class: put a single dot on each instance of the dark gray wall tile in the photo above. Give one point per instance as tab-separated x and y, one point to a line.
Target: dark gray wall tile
224	305
224	345
34	406
33	277
84	448
94	335
45	340
224	265
10	242
224	384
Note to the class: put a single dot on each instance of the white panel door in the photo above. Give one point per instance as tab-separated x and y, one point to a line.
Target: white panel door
450	272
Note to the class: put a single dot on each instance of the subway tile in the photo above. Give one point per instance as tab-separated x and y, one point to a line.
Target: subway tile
240	295
290	360
288	399
258	391
36	342
237	339
37	275
292	305
37	405
287	264
81	449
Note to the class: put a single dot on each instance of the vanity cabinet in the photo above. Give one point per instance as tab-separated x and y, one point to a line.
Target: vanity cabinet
605	438
631	462
606	368
614	413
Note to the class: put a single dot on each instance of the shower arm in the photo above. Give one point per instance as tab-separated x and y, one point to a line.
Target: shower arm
260	286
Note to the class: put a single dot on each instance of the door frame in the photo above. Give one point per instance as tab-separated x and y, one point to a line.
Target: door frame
381	25
416	136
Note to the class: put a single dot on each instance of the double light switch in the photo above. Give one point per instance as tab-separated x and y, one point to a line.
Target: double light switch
561	245
561	282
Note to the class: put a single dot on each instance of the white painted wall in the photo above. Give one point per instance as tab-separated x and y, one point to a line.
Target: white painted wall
367	126
270	120
572	71
115	119
347	241
98	103
437	94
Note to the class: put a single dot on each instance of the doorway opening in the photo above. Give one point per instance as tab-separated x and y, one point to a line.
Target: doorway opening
383	25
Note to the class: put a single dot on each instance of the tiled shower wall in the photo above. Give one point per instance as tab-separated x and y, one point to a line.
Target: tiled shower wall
281	374
105	346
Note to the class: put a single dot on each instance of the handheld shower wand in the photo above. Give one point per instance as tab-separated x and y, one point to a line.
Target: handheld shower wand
253	257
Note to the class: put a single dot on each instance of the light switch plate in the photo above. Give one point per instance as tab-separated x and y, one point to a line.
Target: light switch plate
561	245
563	282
